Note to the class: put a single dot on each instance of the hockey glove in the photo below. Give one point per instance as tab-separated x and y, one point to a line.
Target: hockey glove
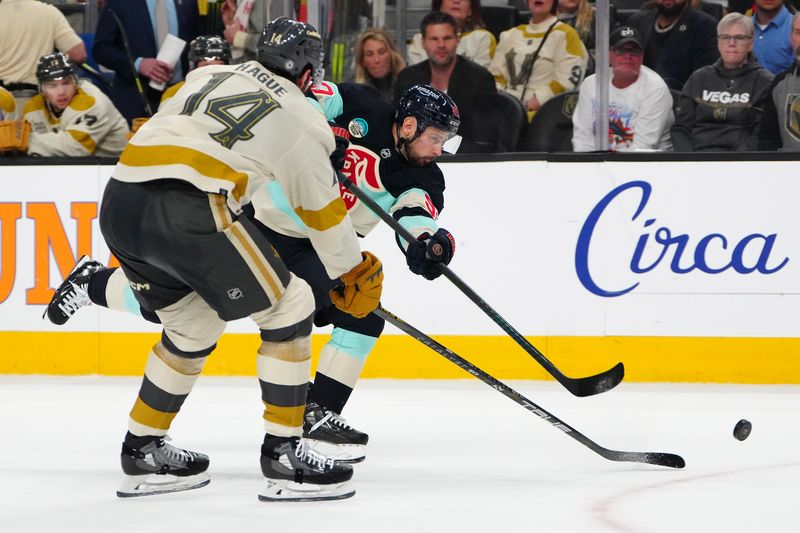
424	255
342	137
14	135
360	292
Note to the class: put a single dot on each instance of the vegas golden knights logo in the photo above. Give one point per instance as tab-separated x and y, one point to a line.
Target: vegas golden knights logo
793	115
521	78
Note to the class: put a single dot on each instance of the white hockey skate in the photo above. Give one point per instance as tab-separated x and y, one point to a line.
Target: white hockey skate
296	472
161	468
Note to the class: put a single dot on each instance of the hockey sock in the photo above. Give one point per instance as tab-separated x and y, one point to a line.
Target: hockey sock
283	369
340	365
97	286
109	288
167	381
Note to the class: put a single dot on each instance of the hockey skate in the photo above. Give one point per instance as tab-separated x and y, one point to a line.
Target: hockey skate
296	472
71	295
330	434
160	468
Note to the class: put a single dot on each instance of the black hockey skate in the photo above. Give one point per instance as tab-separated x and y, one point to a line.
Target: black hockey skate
331	434
71	295
159	468
296	472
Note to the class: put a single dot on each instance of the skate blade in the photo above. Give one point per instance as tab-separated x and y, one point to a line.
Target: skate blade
341	453
152	484
282	490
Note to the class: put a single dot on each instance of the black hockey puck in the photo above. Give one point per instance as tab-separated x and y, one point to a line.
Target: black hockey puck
742	429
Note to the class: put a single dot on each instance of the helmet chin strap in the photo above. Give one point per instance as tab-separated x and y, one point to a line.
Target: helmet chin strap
402	143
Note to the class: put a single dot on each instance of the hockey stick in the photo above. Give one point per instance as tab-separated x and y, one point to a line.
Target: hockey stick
585	386
95	74
653	458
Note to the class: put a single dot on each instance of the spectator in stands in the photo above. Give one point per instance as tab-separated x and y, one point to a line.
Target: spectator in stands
677	40
203	51
146	24
71	118
28	30
453	74
533	63
639	102
720	105
243	36
780	123
476	42
581	15
377	61
772	46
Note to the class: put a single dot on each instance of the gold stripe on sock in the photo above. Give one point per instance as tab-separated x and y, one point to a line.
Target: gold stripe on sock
289	417
147	416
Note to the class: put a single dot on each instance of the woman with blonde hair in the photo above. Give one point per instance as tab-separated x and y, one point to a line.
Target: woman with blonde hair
477	43
377	61
581	15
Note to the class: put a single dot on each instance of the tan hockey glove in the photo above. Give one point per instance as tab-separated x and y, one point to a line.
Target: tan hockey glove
361	293
14	135
136	124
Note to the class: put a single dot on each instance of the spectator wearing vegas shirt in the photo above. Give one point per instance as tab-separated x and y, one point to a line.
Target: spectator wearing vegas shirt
720	105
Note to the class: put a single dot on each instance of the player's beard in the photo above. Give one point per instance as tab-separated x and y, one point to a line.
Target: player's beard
671	11
797	54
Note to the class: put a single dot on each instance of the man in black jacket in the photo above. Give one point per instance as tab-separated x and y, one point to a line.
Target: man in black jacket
459	77
677	40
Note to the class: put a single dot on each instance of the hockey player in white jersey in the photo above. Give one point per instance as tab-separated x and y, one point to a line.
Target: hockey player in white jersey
175	215
70	117
391	155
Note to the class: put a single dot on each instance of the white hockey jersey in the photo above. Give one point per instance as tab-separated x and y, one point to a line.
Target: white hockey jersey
245	132
90	125
476	45
560	66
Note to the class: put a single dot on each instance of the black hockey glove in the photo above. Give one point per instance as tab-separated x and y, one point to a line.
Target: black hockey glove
342	137
424	254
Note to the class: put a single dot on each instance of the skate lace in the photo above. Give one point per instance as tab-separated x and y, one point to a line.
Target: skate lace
177	455
333	419
74	300
309	455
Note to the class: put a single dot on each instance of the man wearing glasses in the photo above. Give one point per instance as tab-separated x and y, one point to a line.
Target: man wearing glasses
720	106
639	102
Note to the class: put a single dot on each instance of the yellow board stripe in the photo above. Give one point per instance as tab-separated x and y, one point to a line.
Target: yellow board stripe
84	139
202	163
325	218
661	359
284	416
147	416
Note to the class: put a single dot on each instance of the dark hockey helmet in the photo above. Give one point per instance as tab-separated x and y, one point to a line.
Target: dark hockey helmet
209	48
288	47
431	107
54	67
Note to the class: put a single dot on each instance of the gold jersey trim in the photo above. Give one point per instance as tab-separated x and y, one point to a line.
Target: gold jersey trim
325	218
158	155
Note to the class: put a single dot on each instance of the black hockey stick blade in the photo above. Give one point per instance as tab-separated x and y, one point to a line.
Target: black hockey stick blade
586	386
652	458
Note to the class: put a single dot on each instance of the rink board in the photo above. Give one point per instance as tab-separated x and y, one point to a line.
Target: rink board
684	271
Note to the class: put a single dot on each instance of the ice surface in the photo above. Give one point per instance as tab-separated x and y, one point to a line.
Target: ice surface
443	456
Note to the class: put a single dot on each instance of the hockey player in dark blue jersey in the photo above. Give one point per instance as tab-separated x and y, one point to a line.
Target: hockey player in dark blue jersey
388	152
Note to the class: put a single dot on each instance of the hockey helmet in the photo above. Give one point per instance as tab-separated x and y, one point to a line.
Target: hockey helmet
431	107
289	48
54	66
209	48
